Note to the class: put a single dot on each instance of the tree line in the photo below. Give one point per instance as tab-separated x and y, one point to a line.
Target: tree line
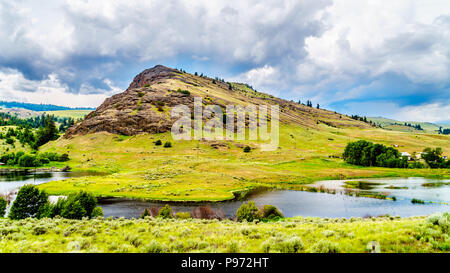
7	119
46	131
365	153
32	160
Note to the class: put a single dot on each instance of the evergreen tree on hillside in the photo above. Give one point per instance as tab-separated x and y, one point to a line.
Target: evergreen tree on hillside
47	133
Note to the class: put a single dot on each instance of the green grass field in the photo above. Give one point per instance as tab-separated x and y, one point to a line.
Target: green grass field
153	235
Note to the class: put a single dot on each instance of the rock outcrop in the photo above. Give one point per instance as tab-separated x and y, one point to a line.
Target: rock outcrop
140	109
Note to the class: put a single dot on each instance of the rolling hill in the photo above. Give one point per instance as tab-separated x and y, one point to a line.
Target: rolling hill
391	124
118	139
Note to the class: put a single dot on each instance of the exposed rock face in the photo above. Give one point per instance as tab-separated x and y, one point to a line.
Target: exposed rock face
139	109
149	76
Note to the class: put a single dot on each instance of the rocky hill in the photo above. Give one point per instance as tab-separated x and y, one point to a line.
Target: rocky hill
146	105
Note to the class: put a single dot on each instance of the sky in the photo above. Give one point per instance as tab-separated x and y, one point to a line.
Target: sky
372	58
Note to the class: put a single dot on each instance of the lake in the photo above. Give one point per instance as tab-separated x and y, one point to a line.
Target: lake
12	181
300	203
291	203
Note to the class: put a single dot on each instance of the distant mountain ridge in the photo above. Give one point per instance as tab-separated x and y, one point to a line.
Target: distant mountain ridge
392	124
39	107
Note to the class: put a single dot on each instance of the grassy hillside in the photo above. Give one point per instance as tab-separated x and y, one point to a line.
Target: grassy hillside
191	235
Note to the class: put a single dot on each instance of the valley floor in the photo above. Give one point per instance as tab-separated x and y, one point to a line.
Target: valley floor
151	235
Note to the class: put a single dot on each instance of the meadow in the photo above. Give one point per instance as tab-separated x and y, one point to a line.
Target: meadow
154	235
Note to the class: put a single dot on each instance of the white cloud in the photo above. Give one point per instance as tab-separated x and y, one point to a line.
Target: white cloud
325	50
374	38
434	112
429	112
15	87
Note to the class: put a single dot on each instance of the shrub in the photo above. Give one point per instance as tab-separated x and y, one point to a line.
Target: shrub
291	245
417	201
145	213
97	212
153	247
3	205
233	247
29	203
325	246
39	230
270	212
28	161
9	141
43	159
64	157
73	210
247	211
167	144
158	142
247	149
186	92
165	212
183	215
77	206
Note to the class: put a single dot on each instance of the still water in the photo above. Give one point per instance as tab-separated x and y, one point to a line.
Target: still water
299	203
291	203
10	182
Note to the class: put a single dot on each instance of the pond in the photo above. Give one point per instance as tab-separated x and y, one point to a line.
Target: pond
300	203
291	203
12	181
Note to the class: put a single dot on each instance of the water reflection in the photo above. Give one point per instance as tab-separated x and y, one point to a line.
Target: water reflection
298	203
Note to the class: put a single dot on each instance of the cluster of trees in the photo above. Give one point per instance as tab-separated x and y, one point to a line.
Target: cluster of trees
364	153
415	126
434	158
47	132
32	160
444	131
364	119
33	203
7	119
309	104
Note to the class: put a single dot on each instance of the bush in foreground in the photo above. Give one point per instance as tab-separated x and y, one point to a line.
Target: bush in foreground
248	211
270	212
165	212
30	202
3	205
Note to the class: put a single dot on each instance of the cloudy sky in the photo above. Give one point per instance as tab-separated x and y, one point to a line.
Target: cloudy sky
374	58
